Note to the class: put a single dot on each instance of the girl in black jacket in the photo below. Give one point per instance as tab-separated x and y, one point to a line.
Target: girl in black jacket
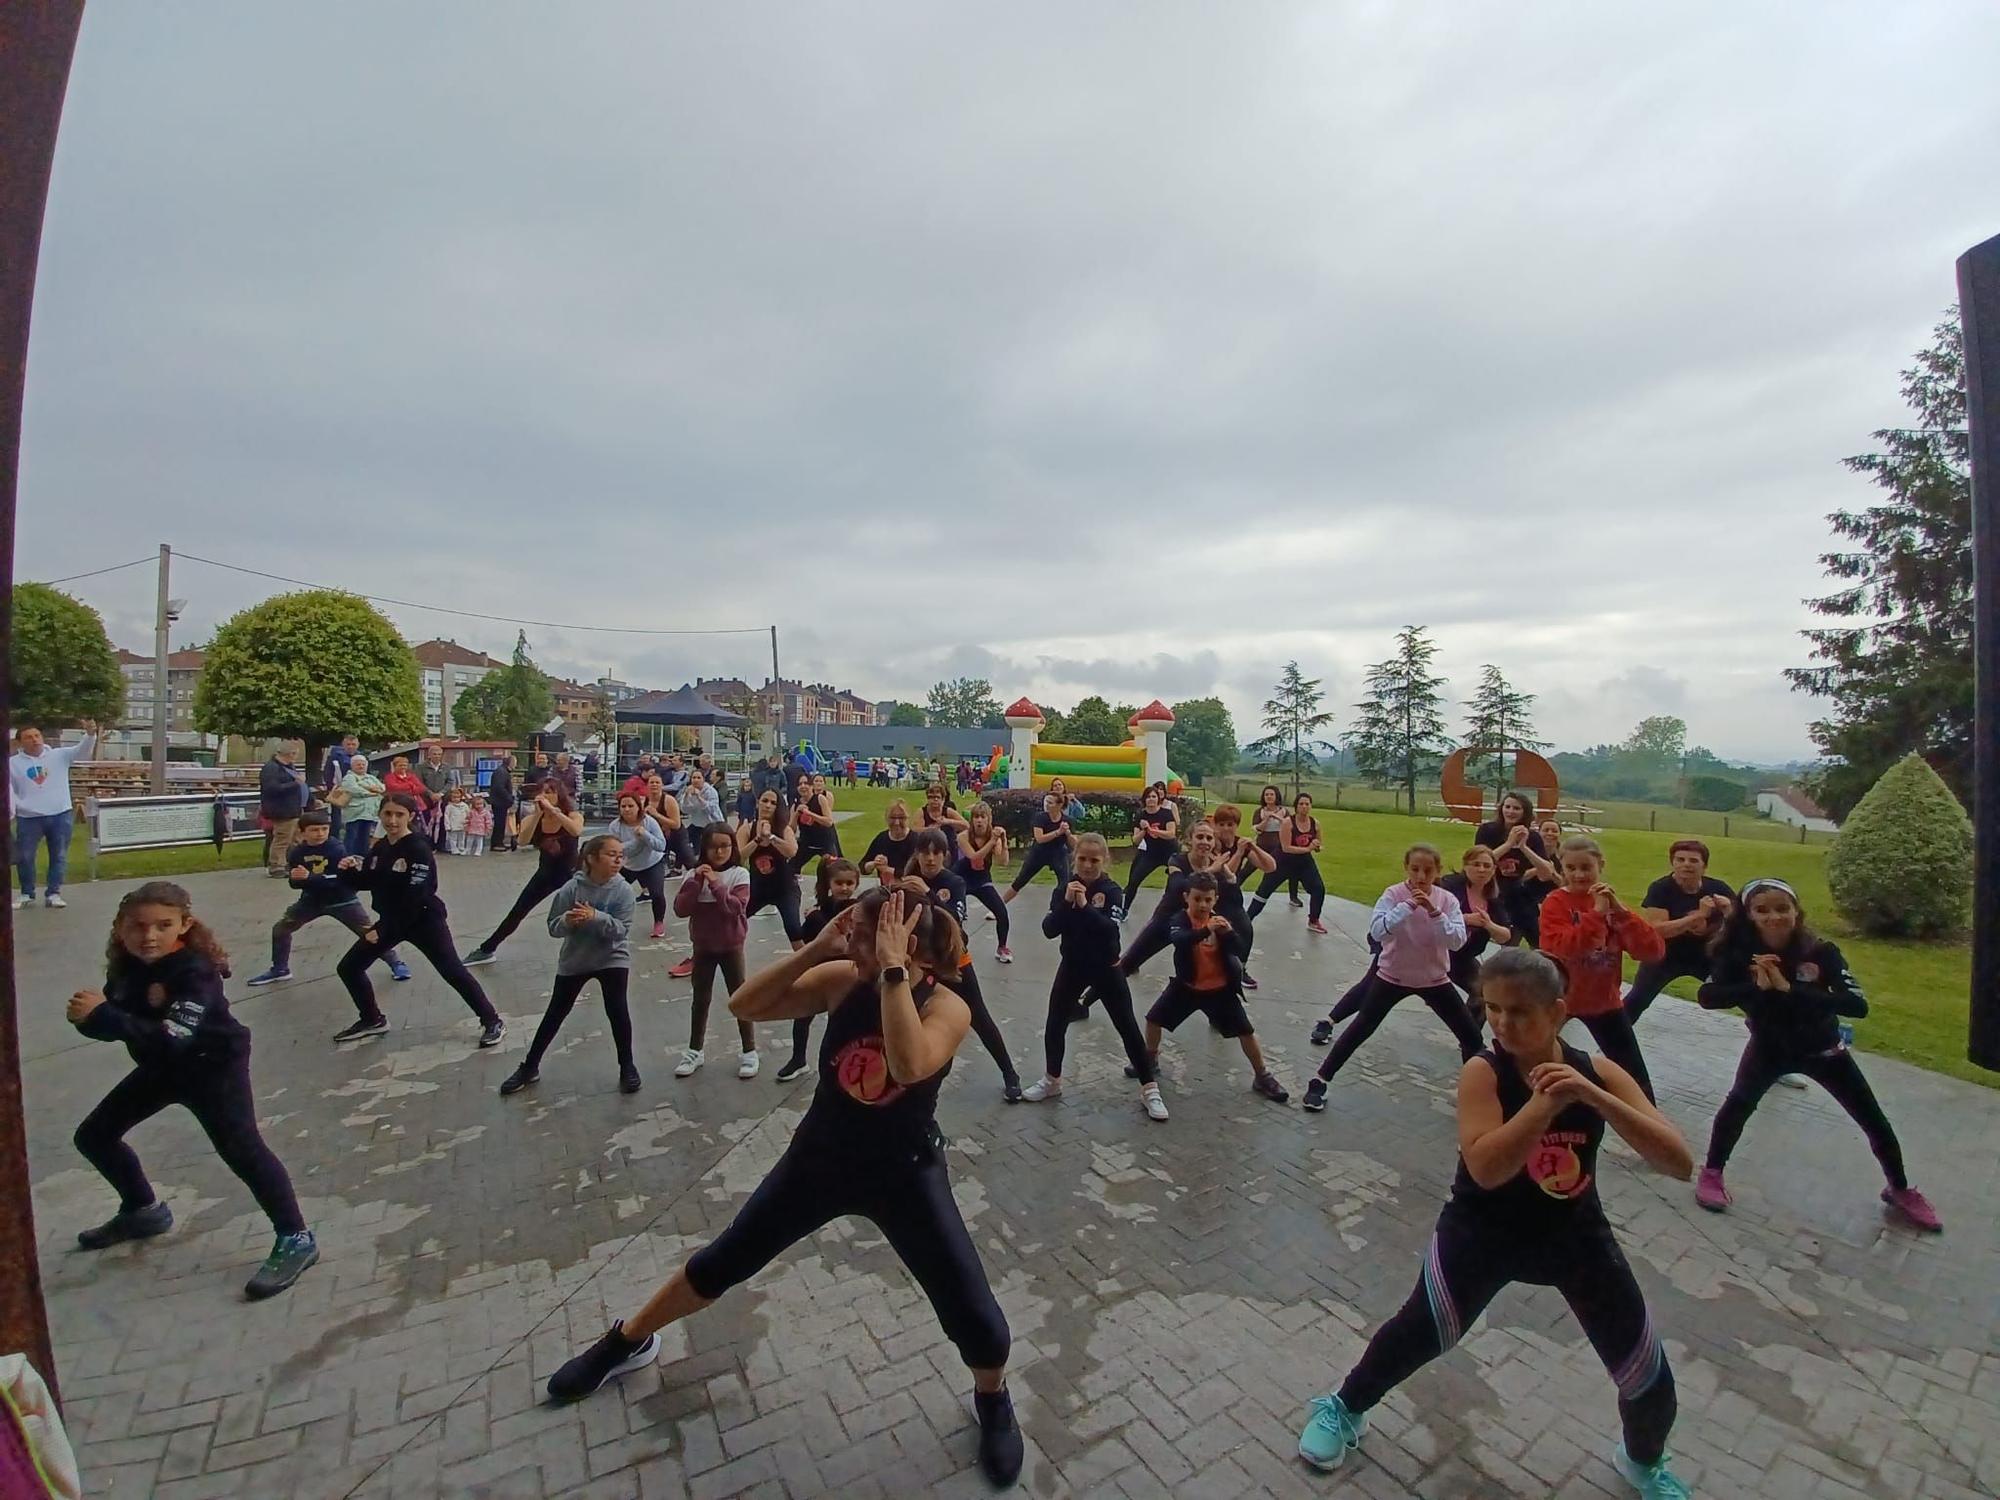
401	869
1792	988
162	998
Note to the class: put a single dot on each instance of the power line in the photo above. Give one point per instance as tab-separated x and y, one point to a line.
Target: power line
470	614
114	568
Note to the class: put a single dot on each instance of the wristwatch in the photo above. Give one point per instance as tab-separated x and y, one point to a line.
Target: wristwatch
895	974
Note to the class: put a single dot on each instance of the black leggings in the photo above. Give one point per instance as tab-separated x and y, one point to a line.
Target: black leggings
1303	869
1836	1072
1615	1038
1152	940
965	985
562	998
653	881
706	966
987	894
217	1094
1464	973
782	892
1465	1267
1383	996
907	1196
1071	980
1652	978
1154	856
829	848
428	934
1054	856
550	876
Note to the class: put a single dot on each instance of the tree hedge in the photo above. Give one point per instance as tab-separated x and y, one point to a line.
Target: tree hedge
1902	866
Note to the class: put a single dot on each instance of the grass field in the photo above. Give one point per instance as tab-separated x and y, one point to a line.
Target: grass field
138	864
1919	993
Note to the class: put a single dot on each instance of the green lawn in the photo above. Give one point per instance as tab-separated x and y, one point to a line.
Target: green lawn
138	864
1919	993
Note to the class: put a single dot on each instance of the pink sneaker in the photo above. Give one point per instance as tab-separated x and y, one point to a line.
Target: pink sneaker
1315	925
659	930
1005	955
1915	1208
1709	1191
682	969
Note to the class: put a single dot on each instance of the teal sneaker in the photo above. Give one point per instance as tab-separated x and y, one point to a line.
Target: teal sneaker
1652	1481
1332	1434
290	1258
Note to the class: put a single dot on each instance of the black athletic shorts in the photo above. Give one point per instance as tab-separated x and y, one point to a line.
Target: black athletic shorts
1223	1007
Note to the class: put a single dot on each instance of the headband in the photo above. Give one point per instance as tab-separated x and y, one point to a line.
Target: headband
1768	883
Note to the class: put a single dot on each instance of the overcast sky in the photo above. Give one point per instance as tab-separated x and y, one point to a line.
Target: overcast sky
1124	348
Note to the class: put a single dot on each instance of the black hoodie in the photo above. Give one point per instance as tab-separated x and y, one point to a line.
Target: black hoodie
168	1013
1800	1022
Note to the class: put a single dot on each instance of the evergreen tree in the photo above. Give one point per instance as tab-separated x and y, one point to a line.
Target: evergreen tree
510	703
1898	669
1295	725
1499	718
1400	735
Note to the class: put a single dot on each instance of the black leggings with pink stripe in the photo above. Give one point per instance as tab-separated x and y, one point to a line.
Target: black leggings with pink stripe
1467	1264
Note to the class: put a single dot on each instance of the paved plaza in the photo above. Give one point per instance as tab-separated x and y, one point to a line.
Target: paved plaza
1177	1291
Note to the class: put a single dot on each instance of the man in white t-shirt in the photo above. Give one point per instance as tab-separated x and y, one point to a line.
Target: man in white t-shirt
38	777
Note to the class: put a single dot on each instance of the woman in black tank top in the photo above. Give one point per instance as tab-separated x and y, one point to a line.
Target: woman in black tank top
868	1145
1524	1207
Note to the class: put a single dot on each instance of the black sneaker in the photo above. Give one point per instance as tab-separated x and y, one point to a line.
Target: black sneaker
1315	1099
135	1224
1000	1447
796	1068
491	1032
519	1079
1268	1085
1248	982
375	1025
1154	1057
1322	1032
1297	902
628	1080
290	1258
611	1356
480	955
1011	1091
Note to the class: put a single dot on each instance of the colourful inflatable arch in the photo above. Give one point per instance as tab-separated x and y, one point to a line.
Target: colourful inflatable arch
1088	768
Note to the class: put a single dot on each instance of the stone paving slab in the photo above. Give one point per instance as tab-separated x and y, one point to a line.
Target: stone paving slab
1177	1292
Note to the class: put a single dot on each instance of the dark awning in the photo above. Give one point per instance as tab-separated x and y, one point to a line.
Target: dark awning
681	706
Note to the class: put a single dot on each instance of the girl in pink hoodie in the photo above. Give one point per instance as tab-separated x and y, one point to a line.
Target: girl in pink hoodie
714	897
1419	925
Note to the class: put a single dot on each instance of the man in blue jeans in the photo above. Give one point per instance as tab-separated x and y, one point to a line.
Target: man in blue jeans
38	775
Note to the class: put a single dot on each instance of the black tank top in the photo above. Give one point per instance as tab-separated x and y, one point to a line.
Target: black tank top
1303	834
1556	1190
858	1107
767	866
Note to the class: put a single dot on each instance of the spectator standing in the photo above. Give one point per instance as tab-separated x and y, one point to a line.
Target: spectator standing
795	775
330	776
281	797
565	771
500	792
39	776
438	779
768	777
362	803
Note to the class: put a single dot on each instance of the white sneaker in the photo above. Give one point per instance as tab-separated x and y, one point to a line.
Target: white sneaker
1042	1088
1156	1107
56	901
746	1065
1791	1080
22	903
691	1058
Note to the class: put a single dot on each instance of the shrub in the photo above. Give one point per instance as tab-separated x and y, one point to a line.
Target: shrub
1902	866
1112	814
1715	793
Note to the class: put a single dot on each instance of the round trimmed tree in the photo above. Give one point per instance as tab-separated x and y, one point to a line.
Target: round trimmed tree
1902	866
63	668
310	666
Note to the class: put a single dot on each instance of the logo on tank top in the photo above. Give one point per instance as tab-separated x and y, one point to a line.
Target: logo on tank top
765	863
861	1068
1554	1166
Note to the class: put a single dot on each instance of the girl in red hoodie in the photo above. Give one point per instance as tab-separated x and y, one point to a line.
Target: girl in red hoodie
1587	928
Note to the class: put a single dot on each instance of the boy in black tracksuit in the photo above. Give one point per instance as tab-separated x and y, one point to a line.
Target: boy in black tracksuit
1208	977
1086	913
163	999
311	865
401	869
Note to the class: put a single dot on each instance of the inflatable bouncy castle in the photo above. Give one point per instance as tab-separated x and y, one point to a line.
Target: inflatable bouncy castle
1130	767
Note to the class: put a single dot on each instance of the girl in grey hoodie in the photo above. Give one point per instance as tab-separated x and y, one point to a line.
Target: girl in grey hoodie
592	915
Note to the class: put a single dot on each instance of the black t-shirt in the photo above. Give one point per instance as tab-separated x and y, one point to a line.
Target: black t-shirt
896	851
817	919
1690	949
1046	824
1509	865
1154	826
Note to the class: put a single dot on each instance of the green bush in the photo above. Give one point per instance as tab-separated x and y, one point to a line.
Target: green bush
1902	866
1715	793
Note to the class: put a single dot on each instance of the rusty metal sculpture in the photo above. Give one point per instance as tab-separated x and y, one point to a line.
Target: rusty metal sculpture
1467	802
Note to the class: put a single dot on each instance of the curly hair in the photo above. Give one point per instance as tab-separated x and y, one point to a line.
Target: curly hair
198	936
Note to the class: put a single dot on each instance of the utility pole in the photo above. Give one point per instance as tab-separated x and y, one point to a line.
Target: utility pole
162	707
777	688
